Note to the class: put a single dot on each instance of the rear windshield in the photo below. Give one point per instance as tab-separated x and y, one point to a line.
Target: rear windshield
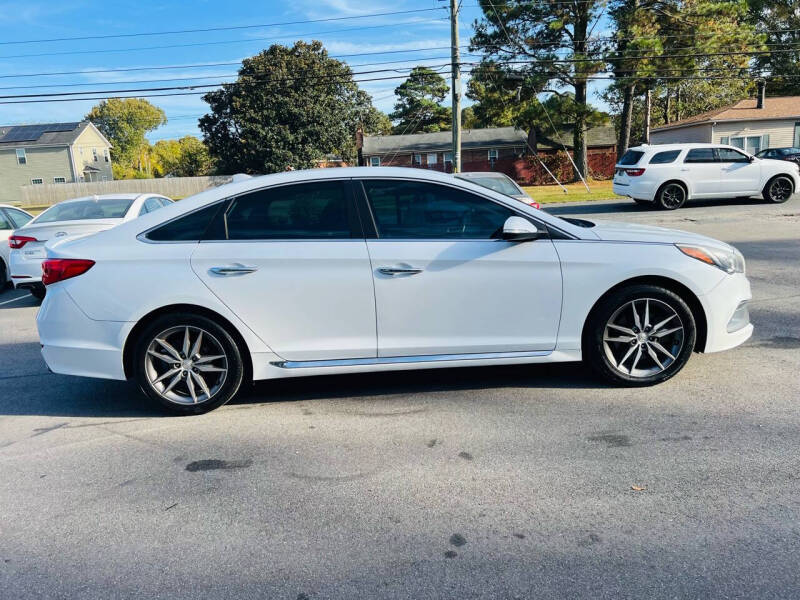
631	157
103	208
498	184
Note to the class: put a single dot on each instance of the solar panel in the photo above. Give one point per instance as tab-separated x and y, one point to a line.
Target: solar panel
28	133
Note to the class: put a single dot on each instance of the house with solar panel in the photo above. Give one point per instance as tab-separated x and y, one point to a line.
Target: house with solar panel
51	153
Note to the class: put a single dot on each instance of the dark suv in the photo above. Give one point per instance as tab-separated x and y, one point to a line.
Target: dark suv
790	154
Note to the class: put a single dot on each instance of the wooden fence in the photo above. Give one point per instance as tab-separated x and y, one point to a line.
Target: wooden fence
172	187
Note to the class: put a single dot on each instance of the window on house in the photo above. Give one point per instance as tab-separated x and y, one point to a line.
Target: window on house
103	178
725	140
448	157
416	159
432	158
751	143
94	154
797	135
59	180
374	161
106	156
37	181
492	154
21	156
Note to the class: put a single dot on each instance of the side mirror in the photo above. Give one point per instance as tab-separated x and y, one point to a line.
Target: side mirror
751	158
517	229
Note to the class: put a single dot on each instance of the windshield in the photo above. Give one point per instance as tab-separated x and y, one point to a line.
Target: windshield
498	184
104	208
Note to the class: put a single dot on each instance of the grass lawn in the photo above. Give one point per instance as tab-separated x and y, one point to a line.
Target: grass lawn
576	192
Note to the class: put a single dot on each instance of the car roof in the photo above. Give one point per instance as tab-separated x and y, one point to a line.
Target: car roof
662	147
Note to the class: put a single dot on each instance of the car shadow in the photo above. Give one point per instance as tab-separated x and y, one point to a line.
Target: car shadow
11	298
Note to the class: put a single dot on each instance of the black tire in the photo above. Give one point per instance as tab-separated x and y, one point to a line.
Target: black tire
671	195
778	189
214	334
4	281
38	292
598	352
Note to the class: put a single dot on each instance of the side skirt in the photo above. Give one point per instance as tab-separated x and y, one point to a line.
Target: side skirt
394	360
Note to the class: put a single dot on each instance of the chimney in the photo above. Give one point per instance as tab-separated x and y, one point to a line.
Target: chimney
762	90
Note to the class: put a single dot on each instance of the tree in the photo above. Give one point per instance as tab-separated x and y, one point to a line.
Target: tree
186	157
288	107
125	122
418	105
372	120
779	21
545	44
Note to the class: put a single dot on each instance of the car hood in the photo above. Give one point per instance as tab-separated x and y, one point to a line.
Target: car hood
632	232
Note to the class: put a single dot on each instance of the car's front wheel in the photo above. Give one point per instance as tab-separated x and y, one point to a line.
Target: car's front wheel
779	189
188	363
640	335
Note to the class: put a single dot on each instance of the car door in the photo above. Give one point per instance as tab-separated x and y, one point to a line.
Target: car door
701	169
445	283
291	261
738	174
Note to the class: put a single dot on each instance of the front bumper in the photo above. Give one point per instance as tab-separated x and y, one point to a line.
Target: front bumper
727	320
74	344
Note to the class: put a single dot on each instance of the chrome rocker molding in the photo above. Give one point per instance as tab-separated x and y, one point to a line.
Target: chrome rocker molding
390	360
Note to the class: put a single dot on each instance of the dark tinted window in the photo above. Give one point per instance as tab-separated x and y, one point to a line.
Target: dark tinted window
700	155
662	158
305	211
731	155
4	222
415	210
631	157
191	227
787	151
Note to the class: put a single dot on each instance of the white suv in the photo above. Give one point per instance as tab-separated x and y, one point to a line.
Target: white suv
668	174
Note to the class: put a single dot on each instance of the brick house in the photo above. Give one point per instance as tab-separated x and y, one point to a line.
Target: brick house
500	149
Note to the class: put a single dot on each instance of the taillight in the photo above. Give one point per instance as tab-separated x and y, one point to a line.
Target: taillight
18	241
634	172
59	269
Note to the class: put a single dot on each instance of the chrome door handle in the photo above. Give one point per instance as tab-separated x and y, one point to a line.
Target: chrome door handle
236	269
392	271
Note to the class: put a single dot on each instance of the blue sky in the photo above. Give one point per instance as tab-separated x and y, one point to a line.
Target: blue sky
37	20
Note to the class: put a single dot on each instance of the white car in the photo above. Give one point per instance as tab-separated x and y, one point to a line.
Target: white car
666	175
373	269
10	219
499	182
78	217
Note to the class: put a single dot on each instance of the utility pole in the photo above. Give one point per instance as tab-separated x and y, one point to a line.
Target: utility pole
456	86
648	102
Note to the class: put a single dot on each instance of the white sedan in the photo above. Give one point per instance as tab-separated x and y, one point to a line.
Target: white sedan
78	217
667	175
374	269
10	218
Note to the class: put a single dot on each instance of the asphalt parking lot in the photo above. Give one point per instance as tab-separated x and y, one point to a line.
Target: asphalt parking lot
513	482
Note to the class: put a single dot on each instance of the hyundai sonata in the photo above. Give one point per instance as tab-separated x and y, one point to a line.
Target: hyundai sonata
377	269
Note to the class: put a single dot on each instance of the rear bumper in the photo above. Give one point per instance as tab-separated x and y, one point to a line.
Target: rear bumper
636	188
74	344
24	272
725	307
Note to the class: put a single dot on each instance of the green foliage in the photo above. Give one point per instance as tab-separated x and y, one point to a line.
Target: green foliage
125	122
537	36
186	157
779	22
418	107
289	107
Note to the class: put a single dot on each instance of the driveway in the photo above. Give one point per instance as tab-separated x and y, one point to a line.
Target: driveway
512	482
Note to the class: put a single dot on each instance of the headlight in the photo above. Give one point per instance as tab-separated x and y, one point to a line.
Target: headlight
730	261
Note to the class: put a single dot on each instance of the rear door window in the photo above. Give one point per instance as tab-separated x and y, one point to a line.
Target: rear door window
631	157
663	158
700	155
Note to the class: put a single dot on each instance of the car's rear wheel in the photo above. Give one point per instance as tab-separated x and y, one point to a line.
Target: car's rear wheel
672	195
3	275
779	189
188	363
640	335
38	291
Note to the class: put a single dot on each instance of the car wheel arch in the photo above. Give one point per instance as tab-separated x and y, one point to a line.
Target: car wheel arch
687	295
141	324
775	176
686	188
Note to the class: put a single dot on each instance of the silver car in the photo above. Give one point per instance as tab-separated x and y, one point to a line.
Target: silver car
499	182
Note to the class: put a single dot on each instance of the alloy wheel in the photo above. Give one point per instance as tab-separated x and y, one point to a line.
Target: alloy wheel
186	365
643	337
672	196
780	190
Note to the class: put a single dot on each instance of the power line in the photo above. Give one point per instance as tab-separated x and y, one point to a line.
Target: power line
210	29
215	43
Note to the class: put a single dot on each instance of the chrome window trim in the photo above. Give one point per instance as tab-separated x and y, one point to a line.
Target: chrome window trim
392	360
